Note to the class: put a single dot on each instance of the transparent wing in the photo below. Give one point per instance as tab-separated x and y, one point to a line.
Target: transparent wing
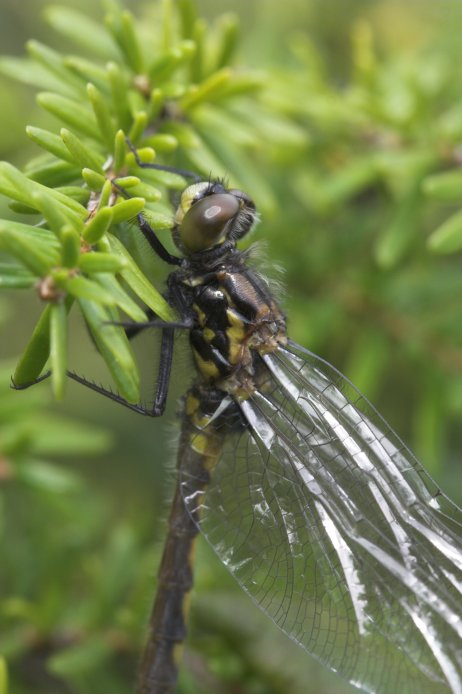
337	532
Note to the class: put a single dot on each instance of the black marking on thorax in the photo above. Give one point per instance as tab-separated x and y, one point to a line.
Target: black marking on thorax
231	304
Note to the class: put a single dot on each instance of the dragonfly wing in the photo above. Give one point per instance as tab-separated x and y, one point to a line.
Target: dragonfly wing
332	526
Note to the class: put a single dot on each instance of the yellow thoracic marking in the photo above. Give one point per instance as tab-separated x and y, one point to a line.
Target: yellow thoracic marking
236	334
206	367
235	320
194	281
201	317
209	334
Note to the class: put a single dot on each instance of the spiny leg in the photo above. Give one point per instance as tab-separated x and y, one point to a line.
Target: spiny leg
162	382
156	245
146	229
150	235
106	392
161	167
165	368
163	379
135	328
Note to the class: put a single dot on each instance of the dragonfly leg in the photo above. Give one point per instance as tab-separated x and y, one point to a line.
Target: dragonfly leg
133	329
29	384
151	237
161	167
165	368
88	384
149	233
111	395
146	229
163	379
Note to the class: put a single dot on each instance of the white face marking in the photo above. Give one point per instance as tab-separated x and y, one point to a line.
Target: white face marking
187	197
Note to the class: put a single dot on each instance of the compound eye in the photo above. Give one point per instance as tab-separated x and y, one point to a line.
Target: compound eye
205	223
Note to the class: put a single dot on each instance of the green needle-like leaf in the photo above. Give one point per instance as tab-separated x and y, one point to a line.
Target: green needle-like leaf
81	659
30	72
54	214
51	142
42	239
58	347
81	30
140	122
84	288
70	112
228	27
100	262
124	302
36	354
398	237
102	115
130	43
3	677
120	149
127	209
94	180
126	182
114	348
14	276
149	193
162	142
448	237
95	229
444	186
70	246
49	478
34	260
106	194
207	90
52	174
140	284
82	155
21	188
53	61
89	72
119	91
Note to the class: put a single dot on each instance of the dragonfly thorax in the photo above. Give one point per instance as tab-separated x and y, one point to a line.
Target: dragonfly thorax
236	321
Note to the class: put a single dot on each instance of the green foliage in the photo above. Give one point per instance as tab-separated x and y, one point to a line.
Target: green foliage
29	437
375	198
140	92
350	150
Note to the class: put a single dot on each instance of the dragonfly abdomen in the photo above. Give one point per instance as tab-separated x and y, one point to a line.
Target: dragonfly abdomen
201	441
170	611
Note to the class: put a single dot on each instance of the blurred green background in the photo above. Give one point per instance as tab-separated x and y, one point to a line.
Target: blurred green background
363	102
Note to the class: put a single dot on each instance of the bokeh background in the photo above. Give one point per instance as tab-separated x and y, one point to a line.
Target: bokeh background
363	103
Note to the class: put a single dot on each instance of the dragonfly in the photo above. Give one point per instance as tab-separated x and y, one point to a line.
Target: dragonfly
322	514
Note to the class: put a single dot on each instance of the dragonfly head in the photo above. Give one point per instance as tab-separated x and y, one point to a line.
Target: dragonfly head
209	214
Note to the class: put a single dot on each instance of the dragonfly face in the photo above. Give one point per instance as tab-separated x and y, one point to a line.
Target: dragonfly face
209	214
